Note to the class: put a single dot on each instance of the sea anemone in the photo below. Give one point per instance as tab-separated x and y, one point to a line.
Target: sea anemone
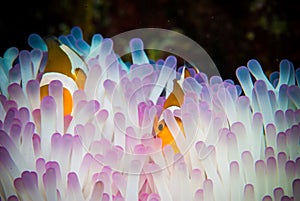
79	123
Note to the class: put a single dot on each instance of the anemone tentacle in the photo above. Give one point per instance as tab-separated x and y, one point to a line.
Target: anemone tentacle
235	141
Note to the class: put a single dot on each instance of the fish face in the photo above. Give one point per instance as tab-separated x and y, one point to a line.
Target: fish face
162	131
174	101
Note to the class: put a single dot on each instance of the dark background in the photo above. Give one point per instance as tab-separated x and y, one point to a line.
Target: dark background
232	32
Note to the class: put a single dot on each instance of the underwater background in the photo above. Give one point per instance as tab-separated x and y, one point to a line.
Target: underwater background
232	32
79	123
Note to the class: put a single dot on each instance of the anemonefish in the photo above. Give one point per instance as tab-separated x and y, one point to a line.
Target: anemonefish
174	101
65	65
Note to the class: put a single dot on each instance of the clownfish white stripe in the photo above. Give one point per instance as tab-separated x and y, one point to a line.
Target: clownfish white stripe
172	109
67	82
180	81
75	59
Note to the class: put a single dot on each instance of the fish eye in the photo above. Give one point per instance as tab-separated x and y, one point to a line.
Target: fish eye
160	126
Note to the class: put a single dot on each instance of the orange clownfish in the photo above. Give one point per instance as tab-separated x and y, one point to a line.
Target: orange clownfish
174	101
65	65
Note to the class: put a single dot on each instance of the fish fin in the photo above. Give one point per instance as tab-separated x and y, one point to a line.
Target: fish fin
189	65
58	61
80	78
176	96
186	73
76	61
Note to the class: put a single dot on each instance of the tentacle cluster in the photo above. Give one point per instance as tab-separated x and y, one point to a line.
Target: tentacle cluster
241	141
